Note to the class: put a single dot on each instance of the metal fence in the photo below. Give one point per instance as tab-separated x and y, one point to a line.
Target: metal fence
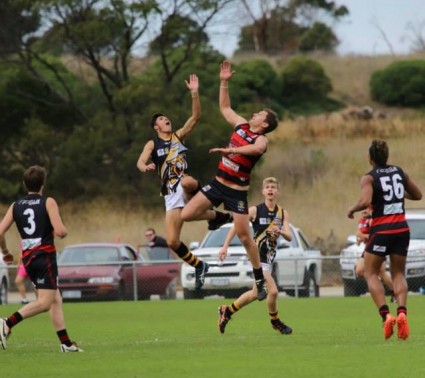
161	279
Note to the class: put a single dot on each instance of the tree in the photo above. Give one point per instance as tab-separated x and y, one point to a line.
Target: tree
183	31
318	37
279	24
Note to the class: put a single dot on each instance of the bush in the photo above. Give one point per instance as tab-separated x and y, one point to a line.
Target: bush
400	84
304	79
318	37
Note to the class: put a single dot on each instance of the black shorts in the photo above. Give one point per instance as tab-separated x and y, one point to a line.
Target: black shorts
43	270
232	199
387	244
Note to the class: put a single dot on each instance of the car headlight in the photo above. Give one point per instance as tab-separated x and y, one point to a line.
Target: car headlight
101	280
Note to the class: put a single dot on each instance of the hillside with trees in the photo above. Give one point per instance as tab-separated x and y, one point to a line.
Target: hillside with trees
81	79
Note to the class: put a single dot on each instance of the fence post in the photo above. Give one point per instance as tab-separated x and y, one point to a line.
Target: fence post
135	280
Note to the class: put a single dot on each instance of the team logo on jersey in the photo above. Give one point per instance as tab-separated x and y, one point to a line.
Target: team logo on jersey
30	243
162	151
393	208
230	164
244	135
264	221
40	281
206	188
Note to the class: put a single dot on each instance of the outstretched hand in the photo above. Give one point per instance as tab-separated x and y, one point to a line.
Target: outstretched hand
193	83
223	151
226	70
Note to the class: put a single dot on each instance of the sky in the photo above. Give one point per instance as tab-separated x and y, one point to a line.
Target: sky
364	31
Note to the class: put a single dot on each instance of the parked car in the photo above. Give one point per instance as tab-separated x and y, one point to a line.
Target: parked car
105	271
415	265
297	267
4	282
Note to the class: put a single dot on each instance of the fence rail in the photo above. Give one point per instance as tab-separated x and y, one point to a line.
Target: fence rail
337	278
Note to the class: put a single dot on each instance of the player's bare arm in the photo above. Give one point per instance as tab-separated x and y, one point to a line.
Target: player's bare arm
142	163
258	148
285	231
226	110
4	226
193	86
222	253
55	218
412	191
366	192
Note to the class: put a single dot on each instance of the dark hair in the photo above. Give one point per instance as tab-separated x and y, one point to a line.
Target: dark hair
151	230
154	117
272	121
34	178
379	152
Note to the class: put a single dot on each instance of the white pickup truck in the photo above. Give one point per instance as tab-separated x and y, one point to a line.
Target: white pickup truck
415	264
297	267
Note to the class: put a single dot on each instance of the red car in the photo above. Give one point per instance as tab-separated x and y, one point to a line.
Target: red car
107	271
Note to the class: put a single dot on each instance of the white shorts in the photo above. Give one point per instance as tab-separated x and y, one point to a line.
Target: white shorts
175	200
266	266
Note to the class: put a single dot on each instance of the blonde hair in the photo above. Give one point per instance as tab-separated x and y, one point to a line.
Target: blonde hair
271	180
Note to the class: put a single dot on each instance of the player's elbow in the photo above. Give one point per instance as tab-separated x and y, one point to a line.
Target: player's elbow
61	232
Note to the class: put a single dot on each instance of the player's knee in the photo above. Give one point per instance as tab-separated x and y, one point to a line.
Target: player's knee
173	243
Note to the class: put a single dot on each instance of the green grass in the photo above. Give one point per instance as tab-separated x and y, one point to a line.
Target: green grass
333	337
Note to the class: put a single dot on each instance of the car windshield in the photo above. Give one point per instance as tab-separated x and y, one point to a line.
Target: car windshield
83	255
216	239
417	228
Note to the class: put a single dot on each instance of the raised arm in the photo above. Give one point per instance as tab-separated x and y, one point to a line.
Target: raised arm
193	86
55	218
142	163
226	110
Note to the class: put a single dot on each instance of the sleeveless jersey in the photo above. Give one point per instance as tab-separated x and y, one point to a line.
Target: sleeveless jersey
33	223
169	157
364	225
237	168
262	225
388	214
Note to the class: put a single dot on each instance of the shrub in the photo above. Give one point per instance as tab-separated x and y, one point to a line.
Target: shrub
400	84
304	79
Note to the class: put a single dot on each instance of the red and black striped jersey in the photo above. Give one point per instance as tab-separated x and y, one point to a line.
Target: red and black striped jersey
388	214
236	168
364	225
34	226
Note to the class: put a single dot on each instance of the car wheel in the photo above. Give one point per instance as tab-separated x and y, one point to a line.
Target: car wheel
193	294
3	292
311	289
354	288
170	291
121	292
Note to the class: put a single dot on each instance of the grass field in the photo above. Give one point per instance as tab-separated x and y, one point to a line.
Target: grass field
333	337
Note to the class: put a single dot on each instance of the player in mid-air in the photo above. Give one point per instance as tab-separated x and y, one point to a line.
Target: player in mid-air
385	188
166	154
231	183
270	221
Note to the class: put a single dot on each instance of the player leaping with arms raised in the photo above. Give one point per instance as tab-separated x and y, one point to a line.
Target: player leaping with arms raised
231	183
